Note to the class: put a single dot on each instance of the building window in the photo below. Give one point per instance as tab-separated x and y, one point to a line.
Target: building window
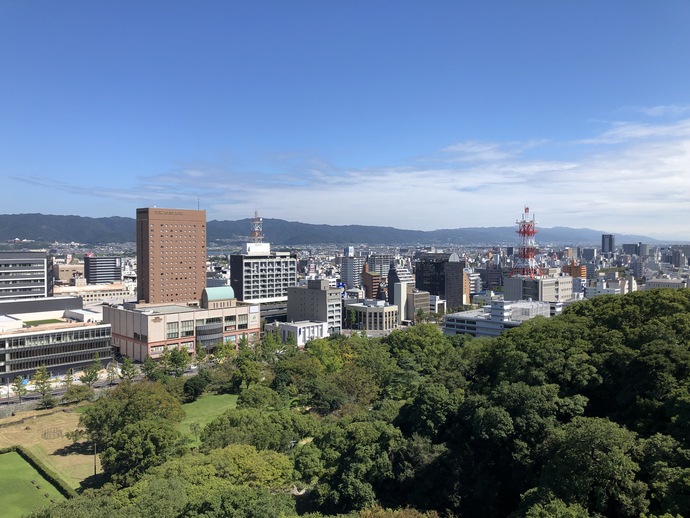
172	330
187	328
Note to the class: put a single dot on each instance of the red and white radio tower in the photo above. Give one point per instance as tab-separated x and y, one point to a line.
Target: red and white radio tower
257	228
526	264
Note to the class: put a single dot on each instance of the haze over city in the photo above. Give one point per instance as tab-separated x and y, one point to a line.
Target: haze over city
412	115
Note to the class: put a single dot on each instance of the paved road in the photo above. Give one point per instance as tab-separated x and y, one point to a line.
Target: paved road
58	392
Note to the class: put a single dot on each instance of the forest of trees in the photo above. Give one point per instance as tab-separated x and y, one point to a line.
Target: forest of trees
585	414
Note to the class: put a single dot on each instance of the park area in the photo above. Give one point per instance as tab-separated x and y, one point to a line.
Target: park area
23	488
42	433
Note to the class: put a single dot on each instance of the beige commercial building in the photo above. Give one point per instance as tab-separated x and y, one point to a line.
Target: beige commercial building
98	293
141	330
171	255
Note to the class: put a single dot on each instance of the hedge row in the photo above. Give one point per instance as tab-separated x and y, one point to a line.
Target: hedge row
45	472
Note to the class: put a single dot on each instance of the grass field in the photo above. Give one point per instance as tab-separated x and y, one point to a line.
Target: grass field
205	409
23	488
42	433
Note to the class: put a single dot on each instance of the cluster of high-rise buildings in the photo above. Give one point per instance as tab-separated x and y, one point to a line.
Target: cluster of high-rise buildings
62	313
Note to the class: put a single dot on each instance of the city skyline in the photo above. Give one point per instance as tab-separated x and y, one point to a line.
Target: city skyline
409	115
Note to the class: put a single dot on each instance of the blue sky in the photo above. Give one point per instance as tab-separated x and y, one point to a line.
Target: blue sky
417	115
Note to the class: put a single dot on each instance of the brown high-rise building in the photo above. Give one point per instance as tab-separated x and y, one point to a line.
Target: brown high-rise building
171	255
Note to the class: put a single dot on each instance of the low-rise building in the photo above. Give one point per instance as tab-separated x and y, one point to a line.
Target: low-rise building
493	319
675	284
98	293
56	332
374	315
302	332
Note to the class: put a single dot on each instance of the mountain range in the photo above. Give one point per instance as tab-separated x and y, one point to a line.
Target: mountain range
80	229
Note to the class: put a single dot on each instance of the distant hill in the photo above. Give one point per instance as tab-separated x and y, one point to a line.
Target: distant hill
47	228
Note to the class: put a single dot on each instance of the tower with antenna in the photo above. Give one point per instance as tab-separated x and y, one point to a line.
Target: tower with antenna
526	264
257	228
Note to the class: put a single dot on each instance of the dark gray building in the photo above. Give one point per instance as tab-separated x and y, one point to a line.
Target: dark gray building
25	275
608	243
102	270
443	275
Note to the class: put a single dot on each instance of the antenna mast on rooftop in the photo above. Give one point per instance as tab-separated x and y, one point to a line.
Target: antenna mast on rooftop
526	264
257	228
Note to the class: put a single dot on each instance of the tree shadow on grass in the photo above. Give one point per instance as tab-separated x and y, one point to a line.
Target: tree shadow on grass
76	448
93	482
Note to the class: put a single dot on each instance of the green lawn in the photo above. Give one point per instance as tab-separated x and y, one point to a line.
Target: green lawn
205	409
41	322
19	496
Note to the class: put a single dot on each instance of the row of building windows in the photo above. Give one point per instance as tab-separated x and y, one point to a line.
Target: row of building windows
22	265
87	356
158	349
28	275
53	349
54	338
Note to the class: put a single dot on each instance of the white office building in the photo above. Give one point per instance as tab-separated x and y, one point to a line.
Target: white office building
493	319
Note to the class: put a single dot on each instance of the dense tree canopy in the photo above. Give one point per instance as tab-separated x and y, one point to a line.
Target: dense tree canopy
584	414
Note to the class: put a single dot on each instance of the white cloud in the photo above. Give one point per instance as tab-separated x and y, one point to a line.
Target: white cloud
633	177
665	110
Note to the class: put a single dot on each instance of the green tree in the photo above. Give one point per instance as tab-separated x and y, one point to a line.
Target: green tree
111	372
290	340
195	428
259	397
90	374
592	465
247	372
128	371
44	387
194	387
351	317
77	393
69	379
200	354
263	430
129	403
180	360
19	387
137	447
358	460
152	369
